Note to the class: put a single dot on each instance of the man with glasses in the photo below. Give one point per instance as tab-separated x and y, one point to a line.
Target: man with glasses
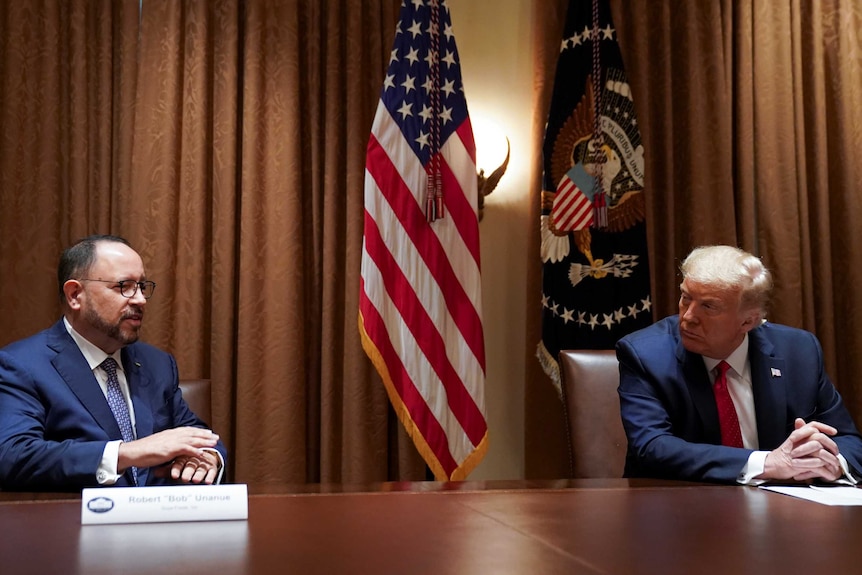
83	403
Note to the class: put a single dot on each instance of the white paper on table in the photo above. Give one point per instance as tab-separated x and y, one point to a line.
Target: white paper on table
838	495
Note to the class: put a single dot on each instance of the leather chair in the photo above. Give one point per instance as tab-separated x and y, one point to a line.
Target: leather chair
597	442
198	394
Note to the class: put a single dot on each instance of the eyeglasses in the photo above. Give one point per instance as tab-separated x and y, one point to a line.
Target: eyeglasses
129	287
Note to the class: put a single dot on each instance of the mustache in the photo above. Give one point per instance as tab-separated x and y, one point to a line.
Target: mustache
133	312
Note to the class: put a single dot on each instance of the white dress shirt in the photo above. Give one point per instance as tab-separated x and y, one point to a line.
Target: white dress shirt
106	474
739	386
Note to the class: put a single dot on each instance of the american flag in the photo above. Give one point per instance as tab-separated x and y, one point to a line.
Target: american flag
420	309
573	206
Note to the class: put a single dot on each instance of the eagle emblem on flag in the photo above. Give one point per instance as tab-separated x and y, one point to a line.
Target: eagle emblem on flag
574	167
595	266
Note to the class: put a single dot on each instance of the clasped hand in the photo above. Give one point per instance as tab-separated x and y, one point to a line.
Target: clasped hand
182	452
202	468
808	453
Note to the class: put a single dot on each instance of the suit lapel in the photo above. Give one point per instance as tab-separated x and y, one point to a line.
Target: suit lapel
138	386
697	379
770	394
73	368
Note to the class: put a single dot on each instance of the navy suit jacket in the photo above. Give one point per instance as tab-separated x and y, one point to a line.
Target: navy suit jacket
670	416
55	420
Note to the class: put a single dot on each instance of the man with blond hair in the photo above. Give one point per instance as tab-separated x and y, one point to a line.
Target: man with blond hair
719	394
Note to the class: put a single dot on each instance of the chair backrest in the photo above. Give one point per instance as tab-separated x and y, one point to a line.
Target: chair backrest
198	394
597	442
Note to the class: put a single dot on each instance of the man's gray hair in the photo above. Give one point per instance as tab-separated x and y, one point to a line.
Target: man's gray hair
727	267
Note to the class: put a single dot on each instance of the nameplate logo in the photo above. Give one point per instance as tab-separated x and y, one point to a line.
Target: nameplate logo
102	505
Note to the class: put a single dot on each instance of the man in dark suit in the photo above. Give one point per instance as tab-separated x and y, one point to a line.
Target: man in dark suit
783	419
84	404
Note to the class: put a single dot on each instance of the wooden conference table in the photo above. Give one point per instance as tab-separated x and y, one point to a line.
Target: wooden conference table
579	526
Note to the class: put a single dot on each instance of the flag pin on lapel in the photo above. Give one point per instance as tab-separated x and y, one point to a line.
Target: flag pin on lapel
776	372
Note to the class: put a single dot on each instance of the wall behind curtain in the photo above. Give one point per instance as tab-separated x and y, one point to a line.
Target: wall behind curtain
751	116
226	140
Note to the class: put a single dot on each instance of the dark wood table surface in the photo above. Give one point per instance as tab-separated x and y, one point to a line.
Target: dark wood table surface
579	526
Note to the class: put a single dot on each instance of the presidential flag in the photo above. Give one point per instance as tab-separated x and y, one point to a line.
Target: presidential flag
595	272
420	309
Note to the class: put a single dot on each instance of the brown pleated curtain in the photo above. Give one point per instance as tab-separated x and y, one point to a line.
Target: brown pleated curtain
226	140
751	118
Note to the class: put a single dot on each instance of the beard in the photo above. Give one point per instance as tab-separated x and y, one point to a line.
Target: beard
113	331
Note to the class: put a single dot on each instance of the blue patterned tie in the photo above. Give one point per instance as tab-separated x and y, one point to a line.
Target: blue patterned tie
119	406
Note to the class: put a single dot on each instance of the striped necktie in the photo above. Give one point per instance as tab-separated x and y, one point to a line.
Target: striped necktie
119	407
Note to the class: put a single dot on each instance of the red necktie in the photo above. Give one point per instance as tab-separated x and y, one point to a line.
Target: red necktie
730	434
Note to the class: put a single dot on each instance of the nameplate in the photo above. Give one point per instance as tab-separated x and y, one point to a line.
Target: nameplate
103	505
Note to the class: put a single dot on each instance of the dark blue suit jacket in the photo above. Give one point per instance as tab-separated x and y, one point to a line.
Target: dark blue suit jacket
669	413
55	420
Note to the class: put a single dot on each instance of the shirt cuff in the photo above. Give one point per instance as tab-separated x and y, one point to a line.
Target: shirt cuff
848	478
754	467
107	474
220	464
